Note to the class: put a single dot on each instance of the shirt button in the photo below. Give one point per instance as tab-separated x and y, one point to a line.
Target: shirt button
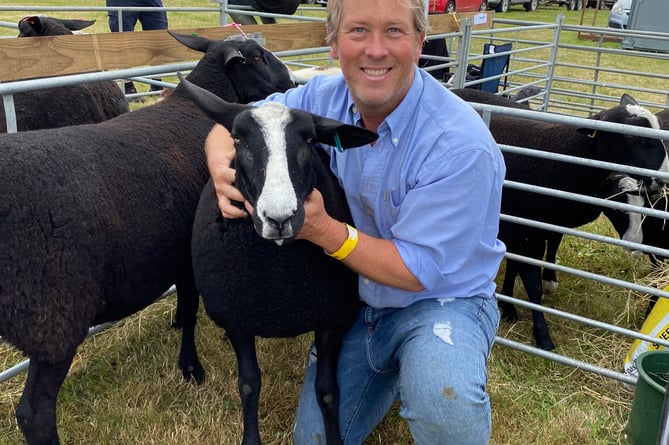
366	281
395	140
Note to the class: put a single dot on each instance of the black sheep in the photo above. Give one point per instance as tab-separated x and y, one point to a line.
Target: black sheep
86	103
96	221
651	230
262	282
564	139
486	97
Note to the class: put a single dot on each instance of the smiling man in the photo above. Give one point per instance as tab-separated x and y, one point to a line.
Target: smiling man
425	199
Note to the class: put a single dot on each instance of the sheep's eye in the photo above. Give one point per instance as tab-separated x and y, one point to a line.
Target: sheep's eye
257	58
310	140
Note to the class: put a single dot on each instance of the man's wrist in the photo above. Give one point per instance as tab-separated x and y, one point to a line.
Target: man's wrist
348	245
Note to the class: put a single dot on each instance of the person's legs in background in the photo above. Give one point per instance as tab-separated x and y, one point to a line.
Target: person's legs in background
243	19
129	20
436	47
152	20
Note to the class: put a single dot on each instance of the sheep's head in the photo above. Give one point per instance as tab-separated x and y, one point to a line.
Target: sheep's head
275	152
255	72
637	151
35	26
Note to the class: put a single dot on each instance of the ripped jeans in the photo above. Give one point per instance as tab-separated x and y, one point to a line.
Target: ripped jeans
431	356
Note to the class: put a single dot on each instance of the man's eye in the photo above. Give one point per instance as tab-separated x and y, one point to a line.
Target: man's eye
358	30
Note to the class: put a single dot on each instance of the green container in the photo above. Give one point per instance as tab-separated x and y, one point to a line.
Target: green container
644	421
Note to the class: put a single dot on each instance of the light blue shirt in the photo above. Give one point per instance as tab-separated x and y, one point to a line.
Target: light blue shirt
431	183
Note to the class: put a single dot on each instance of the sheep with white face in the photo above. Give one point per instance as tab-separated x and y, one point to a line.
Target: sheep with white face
252	282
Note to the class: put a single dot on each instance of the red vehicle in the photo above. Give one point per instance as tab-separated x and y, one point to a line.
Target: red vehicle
448	6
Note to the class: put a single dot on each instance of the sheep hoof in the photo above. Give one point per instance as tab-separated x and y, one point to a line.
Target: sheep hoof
550	287
194	373
544	341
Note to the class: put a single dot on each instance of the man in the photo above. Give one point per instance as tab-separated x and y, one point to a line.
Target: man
425	199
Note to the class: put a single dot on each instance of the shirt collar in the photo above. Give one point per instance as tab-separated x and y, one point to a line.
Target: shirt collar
396	121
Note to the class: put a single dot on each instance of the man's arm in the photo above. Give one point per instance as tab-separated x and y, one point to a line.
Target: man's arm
375	258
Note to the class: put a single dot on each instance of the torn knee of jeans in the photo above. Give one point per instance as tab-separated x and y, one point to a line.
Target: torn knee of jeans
443	331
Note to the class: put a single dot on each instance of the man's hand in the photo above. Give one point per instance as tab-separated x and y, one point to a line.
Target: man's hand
220	152
316	220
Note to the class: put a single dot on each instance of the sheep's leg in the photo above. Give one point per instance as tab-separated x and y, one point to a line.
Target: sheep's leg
531	277
36	411
509	311
328	345
248	382
188	300
548	276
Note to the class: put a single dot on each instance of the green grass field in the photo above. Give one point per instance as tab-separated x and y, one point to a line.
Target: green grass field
125	388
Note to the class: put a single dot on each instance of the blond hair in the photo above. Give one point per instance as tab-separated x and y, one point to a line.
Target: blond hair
416	7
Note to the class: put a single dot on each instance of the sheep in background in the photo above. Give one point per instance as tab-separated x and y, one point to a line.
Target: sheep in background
86	103
636	227
622	188
96	221
38	26
267	284
486	97
586	143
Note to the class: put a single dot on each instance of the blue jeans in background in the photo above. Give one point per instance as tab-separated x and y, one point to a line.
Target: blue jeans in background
431	356
150	20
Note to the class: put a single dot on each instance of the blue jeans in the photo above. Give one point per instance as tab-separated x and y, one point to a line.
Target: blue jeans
432	356
150	20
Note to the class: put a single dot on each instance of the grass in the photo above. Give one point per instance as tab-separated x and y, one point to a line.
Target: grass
124	386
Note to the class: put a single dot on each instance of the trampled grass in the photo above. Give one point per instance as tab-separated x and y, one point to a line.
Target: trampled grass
125	388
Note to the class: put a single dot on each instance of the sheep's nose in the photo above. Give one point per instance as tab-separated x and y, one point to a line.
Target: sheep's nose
279	223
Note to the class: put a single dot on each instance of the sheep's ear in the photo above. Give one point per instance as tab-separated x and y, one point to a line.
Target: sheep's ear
193	42
75	25
335	133
213	106
626	99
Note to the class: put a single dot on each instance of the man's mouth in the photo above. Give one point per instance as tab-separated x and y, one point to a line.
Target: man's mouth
377	72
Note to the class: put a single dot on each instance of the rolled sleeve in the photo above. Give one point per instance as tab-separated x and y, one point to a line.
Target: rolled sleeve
447	227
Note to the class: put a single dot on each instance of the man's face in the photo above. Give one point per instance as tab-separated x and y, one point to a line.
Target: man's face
377	47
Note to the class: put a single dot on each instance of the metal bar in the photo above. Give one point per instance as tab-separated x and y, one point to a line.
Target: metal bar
578	364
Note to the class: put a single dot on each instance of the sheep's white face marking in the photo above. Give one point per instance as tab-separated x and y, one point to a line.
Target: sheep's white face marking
631	187
639	111
277	201
636	110
634	232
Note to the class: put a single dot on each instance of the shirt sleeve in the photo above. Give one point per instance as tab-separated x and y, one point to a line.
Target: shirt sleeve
446	230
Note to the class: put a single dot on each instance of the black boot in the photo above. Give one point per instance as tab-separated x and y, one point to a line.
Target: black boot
130	88
156	87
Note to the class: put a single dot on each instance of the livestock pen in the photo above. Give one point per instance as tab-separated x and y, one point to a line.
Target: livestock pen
594	316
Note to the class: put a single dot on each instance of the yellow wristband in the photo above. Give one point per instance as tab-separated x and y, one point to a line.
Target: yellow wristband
348	245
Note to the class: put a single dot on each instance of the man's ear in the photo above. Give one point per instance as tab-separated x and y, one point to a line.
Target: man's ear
421	43
333	46
334	52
